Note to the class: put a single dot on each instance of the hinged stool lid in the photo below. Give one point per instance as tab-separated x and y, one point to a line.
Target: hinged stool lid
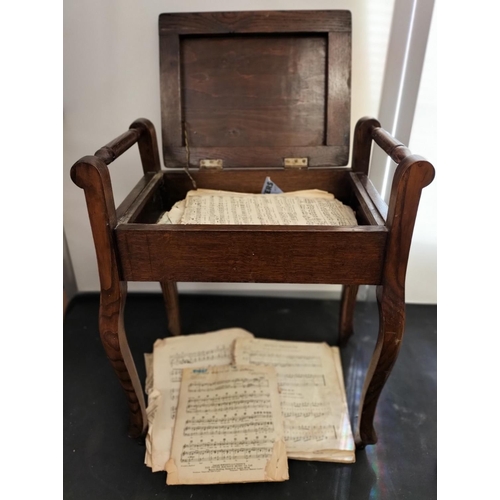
254	89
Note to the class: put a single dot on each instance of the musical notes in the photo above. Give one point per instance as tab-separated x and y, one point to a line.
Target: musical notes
200	430
312	396
229	427
171	356
310	207
283	360
204	357
221	385
232	450
234	422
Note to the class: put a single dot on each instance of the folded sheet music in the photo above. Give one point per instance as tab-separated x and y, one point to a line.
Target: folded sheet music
312	393
298	208
164	367
228	428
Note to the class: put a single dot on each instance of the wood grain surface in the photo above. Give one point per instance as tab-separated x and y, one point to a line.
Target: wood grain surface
252	254
171	299
254	90
346	317
321	21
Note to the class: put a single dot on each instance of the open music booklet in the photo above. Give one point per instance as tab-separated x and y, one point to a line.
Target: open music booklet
310	207
225	407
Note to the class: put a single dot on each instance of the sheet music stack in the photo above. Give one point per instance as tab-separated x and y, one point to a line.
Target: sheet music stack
225	407
311	207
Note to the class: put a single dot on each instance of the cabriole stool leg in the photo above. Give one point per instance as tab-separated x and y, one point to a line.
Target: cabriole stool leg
114	340
391	328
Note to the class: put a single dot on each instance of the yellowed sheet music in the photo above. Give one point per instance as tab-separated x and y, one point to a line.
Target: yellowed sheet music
229	427
174	215
152	403
170	356
312	395
308	208
304	193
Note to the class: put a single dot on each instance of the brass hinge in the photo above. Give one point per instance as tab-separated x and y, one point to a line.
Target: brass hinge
216	164
295	162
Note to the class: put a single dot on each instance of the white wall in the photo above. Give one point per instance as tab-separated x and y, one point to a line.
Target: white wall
421	279
111	78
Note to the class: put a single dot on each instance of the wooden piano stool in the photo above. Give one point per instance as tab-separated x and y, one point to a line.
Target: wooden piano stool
244	96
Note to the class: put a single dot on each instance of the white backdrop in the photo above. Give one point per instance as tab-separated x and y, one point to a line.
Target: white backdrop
111	78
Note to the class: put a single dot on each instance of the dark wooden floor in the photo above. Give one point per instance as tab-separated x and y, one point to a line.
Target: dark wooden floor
101	462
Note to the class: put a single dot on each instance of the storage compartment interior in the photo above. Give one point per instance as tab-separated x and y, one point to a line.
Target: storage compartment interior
174	186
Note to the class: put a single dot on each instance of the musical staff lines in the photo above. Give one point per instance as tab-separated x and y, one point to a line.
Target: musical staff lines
208	357
301	380
306	433
238	402
220	385
228	420
200	430
284	361
235	450
230	423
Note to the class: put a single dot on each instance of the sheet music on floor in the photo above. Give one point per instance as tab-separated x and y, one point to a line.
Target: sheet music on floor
307	207
229	427
313	399
164	367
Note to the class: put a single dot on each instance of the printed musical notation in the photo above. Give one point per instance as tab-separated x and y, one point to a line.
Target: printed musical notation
238	404
200	430
206	357
283	360
228	420
226	430
311	393
221	385
301	380
171	356
225	450
312	207
307	433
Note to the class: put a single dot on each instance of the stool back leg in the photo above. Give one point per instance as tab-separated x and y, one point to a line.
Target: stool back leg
346	316
171	299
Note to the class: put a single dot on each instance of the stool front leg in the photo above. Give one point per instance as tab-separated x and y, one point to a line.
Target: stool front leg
391	305
114	341
411	176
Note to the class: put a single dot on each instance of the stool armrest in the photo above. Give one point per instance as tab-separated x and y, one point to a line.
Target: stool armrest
141	131
368	130
115	148
91	173
394	148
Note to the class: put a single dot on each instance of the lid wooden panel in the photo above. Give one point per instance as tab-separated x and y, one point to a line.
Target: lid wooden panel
253	88
233	85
